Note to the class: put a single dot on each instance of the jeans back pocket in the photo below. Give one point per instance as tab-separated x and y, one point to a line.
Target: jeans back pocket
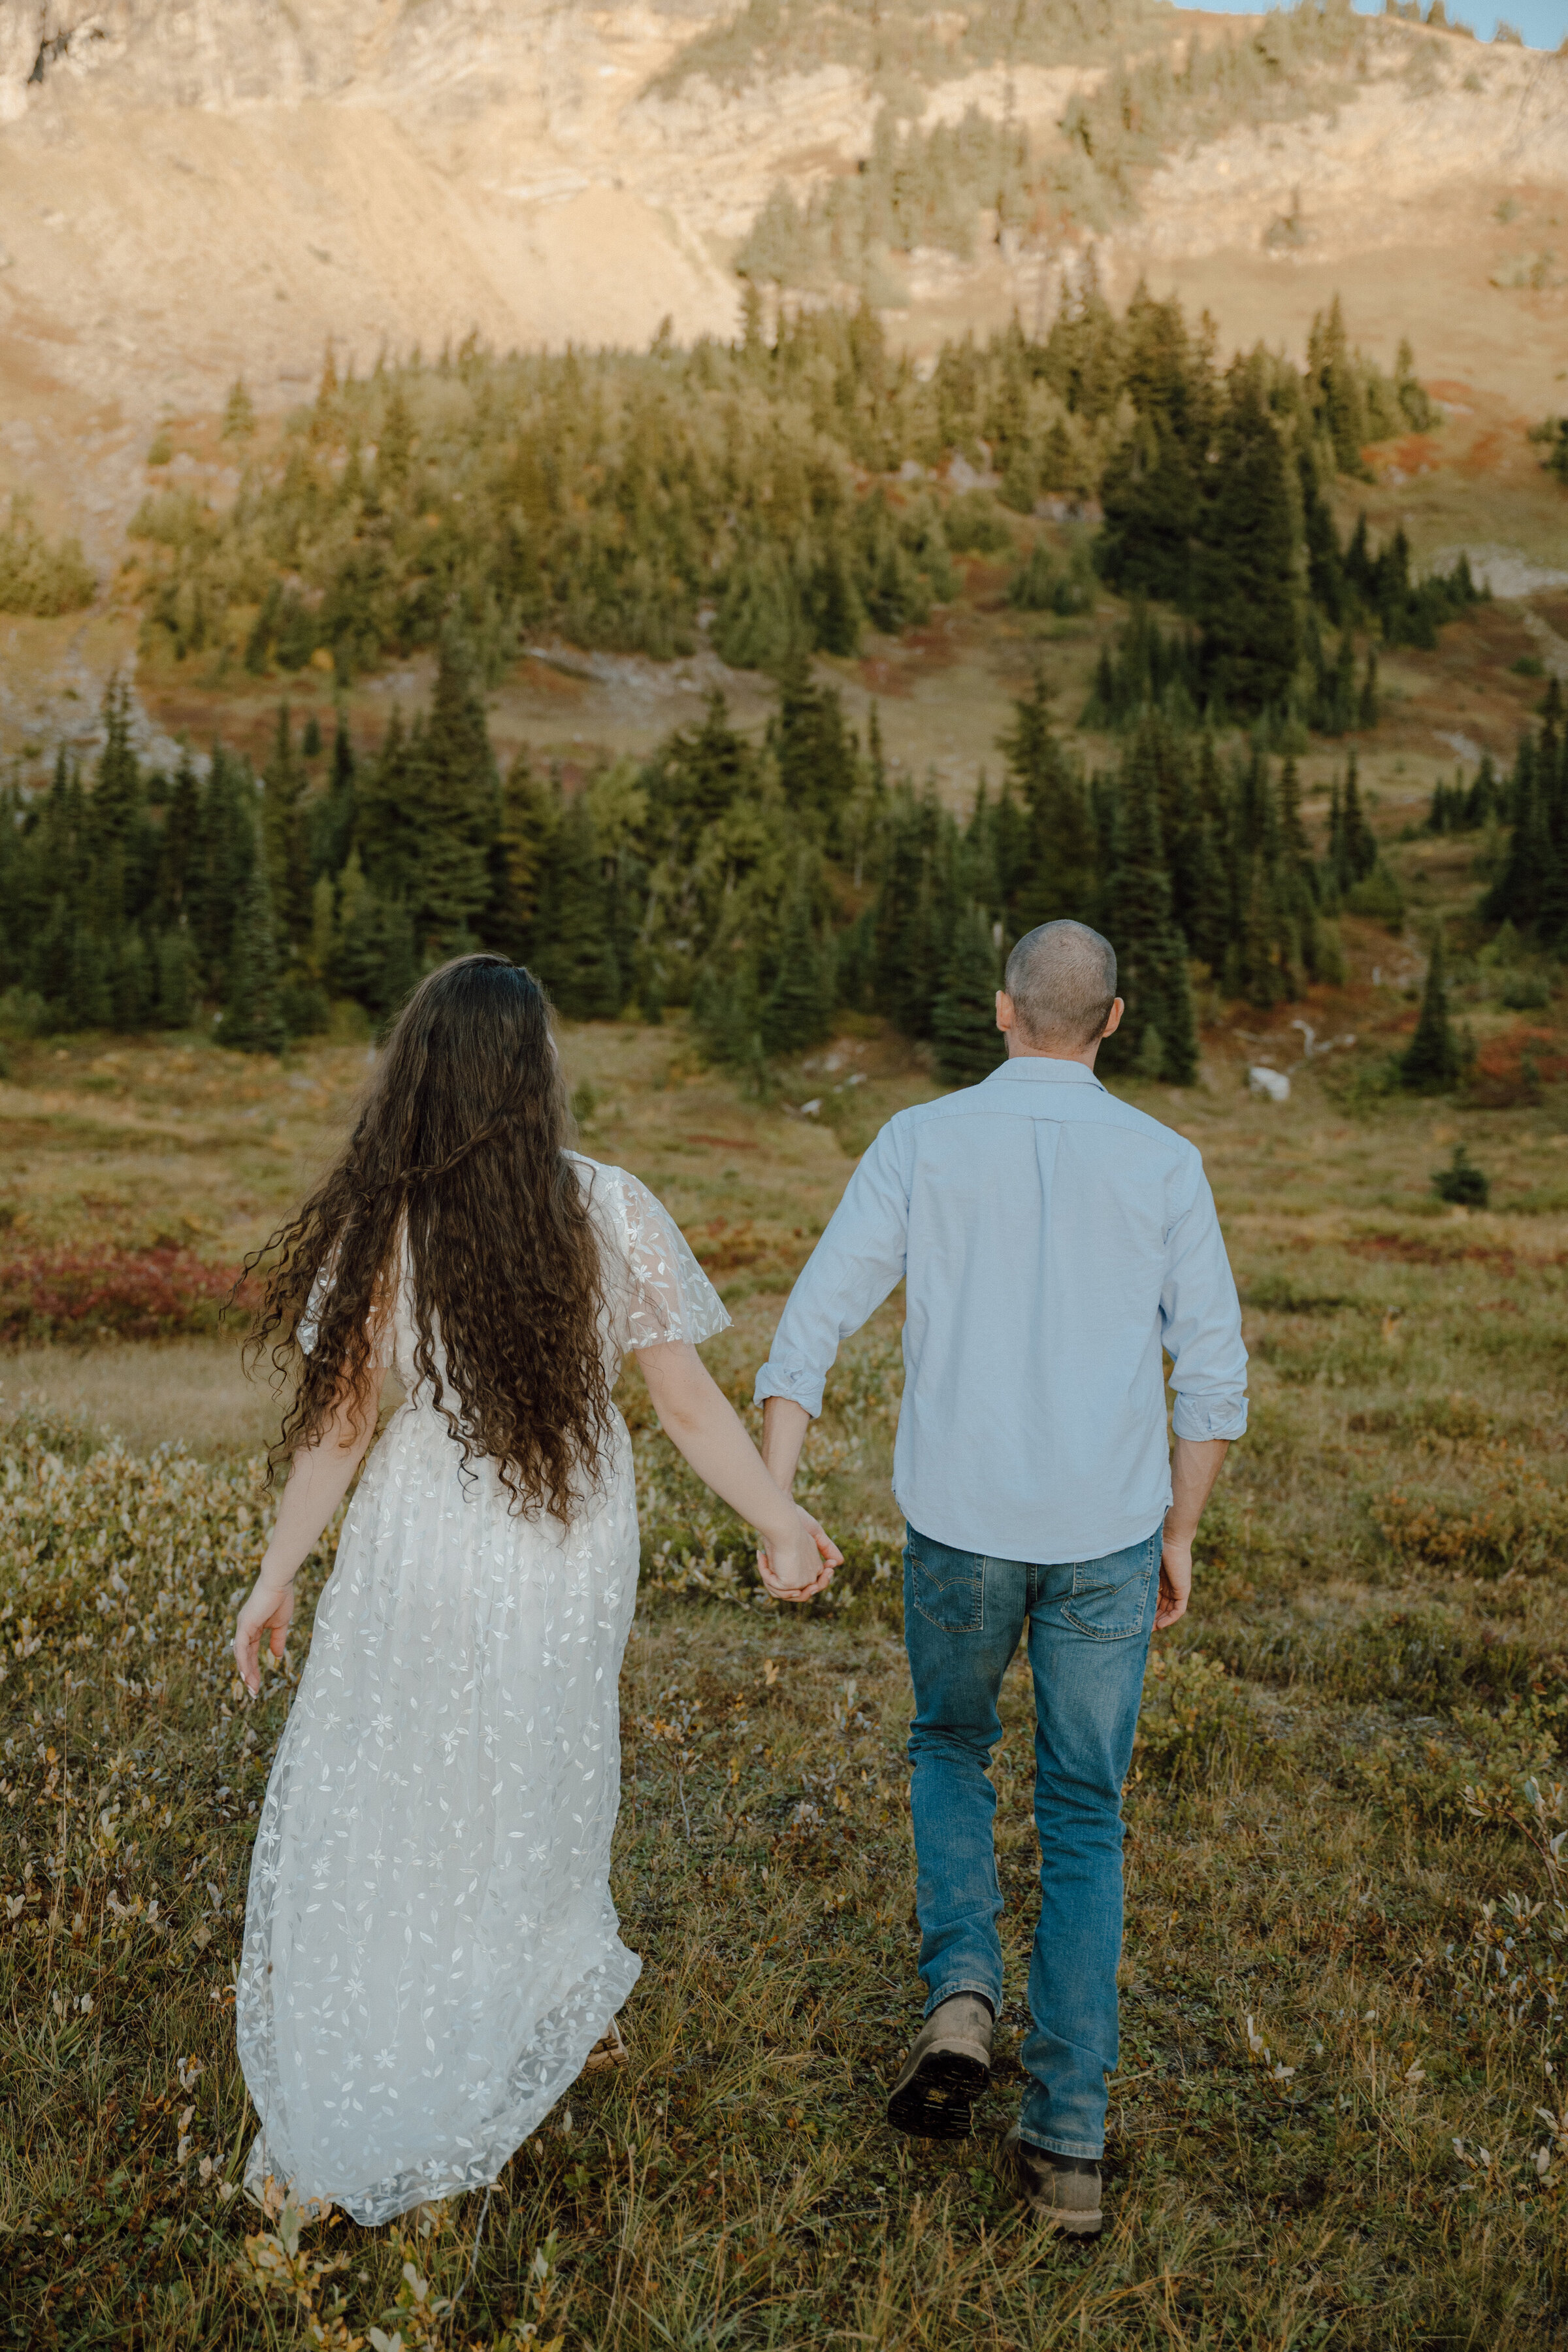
947	1586
1110	1596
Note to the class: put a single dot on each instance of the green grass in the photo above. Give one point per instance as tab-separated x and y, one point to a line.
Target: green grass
1334	1778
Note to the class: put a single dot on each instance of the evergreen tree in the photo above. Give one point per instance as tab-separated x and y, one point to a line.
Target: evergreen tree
1150	496
1054	867
819	763
332	818
1432	1061
227	851
963	1021
1245	587
283	833
176	980
461	794
252	1018
530	814
1150	953
798	1011
575	958
179	877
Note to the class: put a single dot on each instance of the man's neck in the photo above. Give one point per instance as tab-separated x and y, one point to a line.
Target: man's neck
1021	1053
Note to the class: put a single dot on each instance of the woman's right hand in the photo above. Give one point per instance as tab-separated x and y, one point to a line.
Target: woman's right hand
269	1610
798	1561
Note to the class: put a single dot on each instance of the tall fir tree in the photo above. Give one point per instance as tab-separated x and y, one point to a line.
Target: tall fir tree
284	832
963	1021
576	957
1245	596
1432	1061
1055	867
1150	953
798	1009
252	1019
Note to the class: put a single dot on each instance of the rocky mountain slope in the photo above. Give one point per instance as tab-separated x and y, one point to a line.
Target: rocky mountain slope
193	190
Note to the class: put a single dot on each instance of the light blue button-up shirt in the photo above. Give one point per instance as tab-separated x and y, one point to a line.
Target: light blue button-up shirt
1053	1241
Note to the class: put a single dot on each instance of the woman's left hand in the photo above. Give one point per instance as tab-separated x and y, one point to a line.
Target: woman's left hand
269	1605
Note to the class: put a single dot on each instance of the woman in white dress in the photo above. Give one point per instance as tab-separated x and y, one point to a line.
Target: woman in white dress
430	1946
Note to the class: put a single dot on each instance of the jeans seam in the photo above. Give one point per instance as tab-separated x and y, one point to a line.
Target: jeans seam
1052	2147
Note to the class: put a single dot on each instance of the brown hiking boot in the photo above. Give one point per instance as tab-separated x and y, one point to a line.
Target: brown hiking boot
1062	2191
948	2068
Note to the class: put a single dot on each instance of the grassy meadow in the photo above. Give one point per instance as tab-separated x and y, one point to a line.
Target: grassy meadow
1340	2116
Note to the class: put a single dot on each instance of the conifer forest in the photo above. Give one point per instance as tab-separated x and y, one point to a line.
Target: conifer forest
779	497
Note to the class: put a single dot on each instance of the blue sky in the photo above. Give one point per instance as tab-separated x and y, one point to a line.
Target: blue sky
1543	23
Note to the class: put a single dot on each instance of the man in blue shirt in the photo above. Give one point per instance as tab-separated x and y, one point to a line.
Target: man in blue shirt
1054	1244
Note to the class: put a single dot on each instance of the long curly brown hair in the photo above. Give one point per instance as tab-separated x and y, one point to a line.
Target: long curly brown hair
460	1142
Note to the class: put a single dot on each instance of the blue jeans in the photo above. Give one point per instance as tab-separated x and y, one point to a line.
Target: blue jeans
1088	1624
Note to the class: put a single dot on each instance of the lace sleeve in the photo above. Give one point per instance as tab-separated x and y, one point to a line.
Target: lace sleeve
670	1298
307	1329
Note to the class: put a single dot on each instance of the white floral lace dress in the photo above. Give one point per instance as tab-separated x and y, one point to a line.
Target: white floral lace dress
430	1946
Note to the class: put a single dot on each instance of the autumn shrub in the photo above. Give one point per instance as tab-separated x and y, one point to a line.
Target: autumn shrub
72	1291
1507	1516
1192	1718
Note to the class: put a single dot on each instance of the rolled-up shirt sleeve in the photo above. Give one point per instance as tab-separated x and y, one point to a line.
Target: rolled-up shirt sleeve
1200	1316
859	1259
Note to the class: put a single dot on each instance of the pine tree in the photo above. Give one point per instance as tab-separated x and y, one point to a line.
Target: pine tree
1432	1061
819	763
1056	873
238	415
1367	712
252	1019
575	956
461	799
283	833
226	855
530	814
1245	580
963	1020
1150	497
176	980
798	1011
1150	953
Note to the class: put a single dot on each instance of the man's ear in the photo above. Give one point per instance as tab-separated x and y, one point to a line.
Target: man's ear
1117	1009
1006	1011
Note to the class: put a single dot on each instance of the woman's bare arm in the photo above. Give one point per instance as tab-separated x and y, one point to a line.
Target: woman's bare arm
796	1558
317	1481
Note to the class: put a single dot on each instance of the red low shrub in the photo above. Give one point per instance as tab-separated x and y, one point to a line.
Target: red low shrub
149	1294
1512	1069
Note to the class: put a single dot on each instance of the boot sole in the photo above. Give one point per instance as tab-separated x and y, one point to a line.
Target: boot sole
937	2100
1067	2225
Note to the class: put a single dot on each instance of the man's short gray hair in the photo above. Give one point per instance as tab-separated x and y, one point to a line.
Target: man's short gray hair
1061	978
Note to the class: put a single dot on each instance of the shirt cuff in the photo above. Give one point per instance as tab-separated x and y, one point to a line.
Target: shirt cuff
1201	1418
801	1388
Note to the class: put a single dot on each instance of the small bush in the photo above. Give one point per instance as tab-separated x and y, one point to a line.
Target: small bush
1192	1715
975	525
1462	1184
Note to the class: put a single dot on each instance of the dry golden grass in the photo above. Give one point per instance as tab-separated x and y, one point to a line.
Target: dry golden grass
1335	1775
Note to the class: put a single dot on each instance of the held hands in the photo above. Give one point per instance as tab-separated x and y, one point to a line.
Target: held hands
798	1562
269	1605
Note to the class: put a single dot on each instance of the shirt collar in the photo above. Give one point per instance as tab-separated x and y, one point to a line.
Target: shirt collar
1040	1068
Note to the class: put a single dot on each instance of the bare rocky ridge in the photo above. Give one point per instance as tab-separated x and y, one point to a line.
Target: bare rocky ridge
192	190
